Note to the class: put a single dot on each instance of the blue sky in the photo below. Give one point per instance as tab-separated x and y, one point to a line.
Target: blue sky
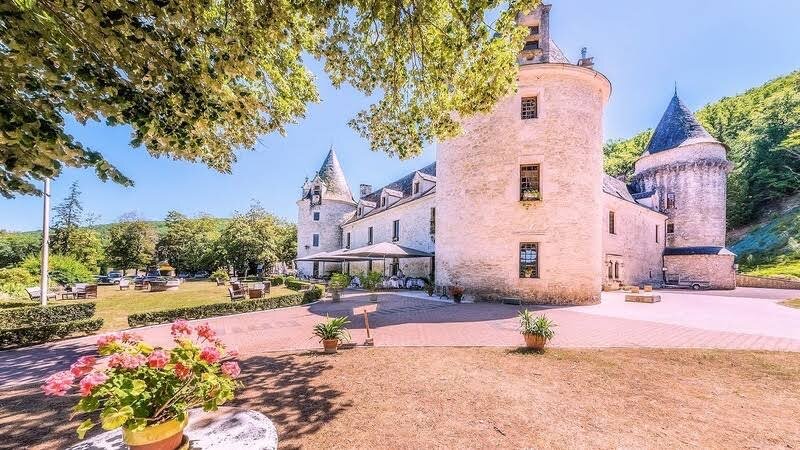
711	48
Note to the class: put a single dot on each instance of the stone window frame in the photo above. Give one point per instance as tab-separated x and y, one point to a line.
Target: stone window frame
347	245
526	261
658	229
670	200
612	223
524	184
433	221
315	240
370	235
396	230
529	107
316	195
670	228
315	216
416	187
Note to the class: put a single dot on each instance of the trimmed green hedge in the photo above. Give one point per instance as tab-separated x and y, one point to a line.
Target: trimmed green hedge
16	304
31	316
276	281
219	309
296	285
315	293
13	337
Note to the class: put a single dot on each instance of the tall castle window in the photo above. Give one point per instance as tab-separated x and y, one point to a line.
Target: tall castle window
657	232
315	240
612	226
369	236
316	216
670	228
433	221
348	240
529	260
529	182
529	104
396	230
316	196
670	200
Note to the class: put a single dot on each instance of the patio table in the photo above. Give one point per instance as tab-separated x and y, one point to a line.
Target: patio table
67	294
226	428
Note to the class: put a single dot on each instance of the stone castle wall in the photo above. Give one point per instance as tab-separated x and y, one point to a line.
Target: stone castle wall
697	176
332	214
637	245
481	221
716	269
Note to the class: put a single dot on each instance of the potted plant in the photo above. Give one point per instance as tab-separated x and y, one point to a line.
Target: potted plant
149	391
430	287
220	276
530	194
332	332
536	330
338	282
370	281
457	292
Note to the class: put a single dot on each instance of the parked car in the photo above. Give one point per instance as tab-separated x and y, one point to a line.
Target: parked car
103	279
184	275
202	274
114	277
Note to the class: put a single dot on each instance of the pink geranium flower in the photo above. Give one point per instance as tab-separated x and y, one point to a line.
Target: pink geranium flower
105	340
91	381
82	366
210	355
181	326
182	372
58	383
231	369
130	337
158	359
205	331
125	361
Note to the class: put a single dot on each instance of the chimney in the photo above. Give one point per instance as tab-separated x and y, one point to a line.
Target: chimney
365	189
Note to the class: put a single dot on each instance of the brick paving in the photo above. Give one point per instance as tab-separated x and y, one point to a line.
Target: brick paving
713	320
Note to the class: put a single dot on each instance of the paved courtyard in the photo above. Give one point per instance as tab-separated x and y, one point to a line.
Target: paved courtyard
747	319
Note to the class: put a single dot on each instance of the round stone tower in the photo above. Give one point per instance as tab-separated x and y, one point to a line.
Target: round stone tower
325	203
519	192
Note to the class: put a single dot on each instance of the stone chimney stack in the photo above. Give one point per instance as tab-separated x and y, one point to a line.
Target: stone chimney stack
365	189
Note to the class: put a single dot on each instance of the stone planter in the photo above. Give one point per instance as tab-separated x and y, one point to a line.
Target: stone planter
534	341
648	288
373	297
336	295
330	345
163	436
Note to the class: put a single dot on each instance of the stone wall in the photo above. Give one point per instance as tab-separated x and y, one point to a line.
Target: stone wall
332	214
414	217
765	282
716	269
637	245
481	220
697	176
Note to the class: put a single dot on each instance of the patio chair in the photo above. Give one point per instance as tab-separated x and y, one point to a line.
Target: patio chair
79	289
34	293
124	284
89	291
235	294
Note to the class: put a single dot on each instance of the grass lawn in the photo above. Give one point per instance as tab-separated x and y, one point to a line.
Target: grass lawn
493	398
114	305
787	269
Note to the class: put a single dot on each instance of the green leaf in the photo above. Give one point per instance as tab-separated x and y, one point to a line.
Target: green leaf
85	426
112	418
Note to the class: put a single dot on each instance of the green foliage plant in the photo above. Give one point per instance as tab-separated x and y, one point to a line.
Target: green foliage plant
64	270
333	328
339	281
371	280
536	325
220	275
13	282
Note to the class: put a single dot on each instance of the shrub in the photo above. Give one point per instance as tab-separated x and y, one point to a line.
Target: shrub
14	337
14	281
16	304
339	281
214	309
276	281
370	281
297	285
32	316
314	293
63	269
220	275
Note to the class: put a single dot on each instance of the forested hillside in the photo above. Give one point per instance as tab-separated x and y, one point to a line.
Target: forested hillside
761	128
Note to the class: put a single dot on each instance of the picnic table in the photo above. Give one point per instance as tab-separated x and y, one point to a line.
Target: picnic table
226	428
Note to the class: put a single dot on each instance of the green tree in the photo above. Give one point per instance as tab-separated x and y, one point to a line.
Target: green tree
67	217
131	243
250	238
15	247
196	80
187	243
286	243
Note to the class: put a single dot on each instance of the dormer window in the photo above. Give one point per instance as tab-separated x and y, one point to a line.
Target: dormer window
316	196
416	187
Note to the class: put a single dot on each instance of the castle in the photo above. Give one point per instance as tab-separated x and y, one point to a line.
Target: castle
518	205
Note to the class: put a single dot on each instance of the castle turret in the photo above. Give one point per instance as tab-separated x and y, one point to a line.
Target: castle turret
685	169
519	207
325	203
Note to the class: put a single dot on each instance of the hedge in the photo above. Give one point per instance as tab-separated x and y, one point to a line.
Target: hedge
221	309
276	281
29	316
13	337
296	285
314	293
16	304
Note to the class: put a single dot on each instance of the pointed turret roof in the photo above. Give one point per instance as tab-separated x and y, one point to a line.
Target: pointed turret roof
332	176
677	127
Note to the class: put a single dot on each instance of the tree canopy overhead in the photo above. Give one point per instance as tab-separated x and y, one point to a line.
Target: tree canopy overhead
197	80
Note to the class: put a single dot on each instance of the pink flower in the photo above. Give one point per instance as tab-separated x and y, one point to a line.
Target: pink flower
130	337
106	340
158	359
181	326
210	355
231	369
58	383
182	371
91	381
125	361
233	353
205	331
82	366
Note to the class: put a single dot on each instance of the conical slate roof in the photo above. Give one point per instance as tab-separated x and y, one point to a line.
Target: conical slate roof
677	127
332	176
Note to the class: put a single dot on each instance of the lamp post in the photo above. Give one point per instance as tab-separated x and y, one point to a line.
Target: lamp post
45	242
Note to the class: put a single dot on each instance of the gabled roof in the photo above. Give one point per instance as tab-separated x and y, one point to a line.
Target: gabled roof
332	176
617	188
403	184
677	127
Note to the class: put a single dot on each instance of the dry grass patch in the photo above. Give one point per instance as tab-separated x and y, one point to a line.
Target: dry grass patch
793	303
496	398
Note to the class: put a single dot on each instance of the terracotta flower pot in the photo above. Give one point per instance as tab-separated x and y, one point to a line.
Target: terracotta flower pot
330	345
534	341
336	295
163	436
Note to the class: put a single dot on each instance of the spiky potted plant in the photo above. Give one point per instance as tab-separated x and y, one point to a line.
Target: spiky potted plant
332	332
370	281
338	282
430	287
457	292
536	330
